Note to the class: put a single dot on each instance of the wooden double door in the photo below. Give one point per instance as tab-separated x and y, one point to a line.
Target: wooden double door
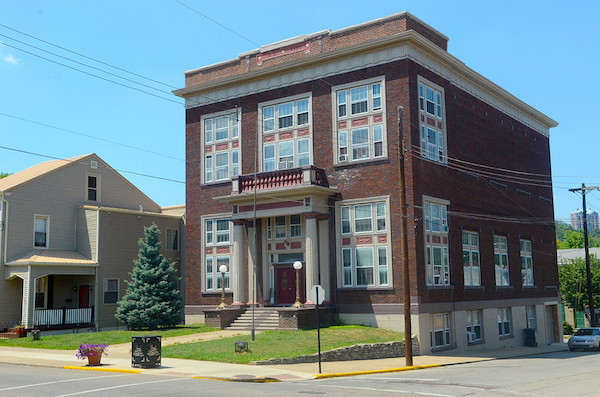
285	285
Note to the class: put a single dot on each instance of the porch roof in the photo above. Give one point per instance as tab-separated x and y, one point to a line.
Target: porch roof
52	257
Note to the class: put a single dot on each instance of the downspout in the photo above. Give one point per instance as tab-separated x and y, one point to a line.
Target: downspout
96	293
3	229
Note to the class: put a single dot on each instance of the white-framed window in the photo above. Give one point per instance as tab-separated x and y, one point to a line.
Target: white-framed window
111	291
286	133
432	116
501	261
92	188
504	327
474	327
172	239
440	334
286	226
217	251
221	145
360	131
41	227
471	263
437	262
530	313
364	253
526	263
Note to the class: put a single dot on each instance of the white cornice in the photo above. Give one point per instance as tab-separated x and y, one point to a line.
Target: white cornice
404	45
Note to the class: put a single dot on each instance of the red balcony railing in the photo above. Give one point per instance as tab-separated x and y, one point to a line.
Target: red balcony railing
308	175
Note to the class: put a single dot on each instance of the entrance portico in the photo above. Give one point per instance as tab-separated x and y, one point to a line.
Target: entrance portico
291	208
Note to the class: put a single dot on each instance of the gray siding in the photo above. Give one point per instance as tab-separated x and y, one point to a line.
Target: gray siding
87	232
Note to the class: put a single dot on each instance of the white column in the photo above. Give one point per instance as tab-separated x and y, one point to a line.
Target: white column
252	255
312	255
28	299
239	269
324	257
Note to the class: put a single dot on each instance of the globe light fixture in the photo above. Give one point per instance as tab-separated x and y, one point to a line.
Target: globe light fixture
298	267
223	270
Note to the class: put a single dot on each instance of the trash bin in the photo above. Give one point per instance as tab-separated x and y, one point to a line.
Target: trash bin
529	337
145	351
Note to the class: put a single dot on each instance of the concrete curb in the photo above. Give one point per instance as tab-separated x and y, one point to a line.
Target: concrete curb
127	371
378	371
248	380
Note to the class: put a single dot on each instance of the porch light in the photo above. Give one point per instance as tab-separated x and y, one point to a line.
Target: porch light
298	267
223	270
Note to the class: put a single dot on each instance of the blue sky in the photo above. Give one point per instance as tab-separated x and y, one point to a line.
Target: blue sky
544	52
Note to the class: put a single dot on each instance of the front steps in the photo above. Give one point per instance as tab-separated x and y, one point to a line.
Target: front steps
265	318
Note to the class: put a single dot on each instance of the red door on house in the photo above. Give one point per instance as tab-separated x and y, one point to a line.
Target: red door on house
84	296
286	285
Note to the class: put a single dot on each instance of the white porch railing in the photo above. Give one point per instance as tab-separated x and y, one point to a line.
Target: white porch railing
64	316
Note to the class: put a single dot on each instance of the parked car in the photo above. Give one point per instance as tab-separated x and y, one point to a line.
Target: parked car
585	338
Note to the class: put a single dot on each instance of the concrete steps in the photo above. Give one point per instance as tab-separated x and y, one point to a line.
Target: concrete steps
265	318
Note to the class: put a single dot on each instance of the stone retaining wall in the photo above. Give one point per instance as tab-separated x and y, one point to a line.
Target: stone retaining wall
361	351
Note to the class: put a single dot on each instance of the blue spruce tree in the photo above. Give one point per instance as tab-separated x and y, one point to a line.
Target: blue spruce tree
152	299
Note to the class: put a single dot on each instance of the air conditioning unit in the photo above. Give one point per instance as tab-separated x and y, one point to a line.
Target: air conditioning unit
284	165
343	158
471	336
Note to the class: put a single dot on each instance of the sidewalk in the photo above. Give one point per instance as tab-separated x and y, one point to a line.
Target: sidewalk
119	360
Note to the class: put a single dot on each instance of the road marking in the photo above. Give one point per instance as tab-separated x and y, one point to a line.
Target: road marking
397	379
121	386
59	381
391	391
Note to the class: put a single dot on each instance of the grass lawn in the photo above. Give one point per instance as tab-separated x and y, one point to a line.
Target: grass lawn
72	341
276	344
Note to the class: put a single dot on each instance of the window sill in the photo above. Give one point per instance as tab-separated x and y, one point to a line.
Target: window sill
477	342
474	287
442	348
216	183
219	292
351	163
369	288
529	287
506	337
440	287
504	287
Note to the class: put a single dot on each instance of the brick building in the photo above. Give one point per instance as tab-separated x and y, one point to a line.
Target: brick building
315	121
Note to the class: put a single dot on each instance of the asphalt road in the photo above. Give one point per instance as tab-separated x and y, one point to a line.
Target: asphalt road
558	374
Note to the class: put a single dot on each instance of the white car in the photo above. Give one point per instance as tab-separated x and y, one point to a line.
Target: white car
585	338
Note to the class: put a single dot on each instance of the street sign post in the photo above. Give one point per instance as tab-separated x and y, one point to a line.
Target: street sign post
317	295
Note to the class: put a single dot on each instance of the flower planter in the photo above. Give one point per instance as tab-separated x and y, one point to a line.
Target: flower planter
94	358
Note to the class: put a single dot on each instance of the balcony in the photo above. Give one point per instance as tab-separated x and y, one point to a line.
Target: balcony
305	176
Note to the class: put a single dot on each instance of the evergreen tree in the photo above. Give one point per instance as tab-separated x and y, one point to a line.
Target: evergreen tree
152	299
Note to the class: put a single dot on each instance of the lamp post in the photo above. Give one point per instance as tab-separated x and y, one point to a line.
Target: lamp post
297	266
223	270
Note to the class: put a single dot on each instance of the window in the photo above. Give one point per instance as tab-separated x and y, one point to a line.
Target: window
295	226
501	261
436	248
526	264
40	237
474	326
218	251
287	133
432	119
221	146
285	226
471	265
40	293
504	321
111	290
92	188
440	336
364	254
530	312
360	132
172	239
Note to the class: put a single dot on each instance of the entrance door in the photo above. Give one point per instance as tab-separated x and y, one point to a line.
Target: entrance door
286	285
84	296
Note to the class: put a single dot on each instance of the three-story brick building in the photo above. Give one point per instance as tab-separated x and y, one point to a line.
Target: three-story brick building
293	155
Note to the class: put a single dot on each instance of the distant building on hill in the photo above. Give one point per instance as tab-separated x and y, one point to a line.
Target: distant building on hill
577	220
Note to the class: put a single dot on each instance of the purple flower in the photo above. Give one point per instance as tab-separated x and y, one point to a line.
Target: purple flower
91	348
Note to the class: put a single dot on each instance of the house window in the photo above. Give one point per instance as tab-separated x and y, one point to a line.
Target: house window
501	261
111	290
218	251
221	146
530	313
440	336
432	121
474	326
360	128
471	265
285	226
172	239
364	249
40	237
93	187
287	133
526	263
436	247
504	321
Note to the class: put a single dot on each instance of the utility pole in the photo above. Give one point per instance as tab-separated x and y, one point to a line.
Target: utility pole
584	190
408	353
